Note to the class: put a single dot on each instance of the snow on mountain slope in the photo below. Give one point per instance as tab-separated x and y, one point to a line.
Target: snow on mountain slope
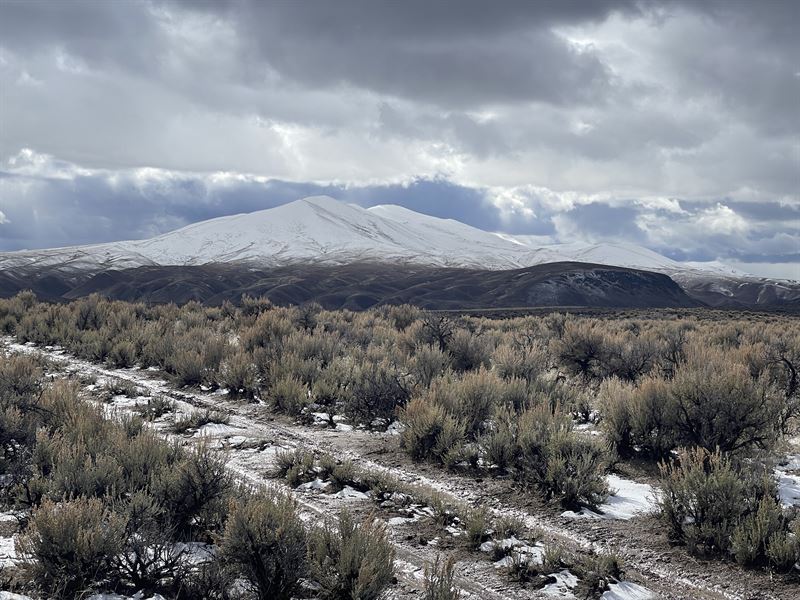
318	229
610	253
323	230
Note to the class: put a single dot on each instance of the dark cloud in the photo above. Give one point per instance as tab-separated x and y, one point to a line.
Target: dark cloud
463	102
598	220
458	55
97	33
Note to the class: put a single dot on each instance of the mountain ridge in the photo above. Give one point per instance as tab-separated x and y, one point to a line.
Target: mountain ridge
322	230
363	285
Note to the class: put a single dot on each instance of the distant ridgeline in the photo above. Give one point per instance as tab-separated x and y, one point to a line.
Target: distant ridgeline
343	255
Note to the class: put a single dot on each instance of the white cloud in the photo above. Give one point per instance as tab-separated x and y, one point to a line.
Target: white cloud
722	219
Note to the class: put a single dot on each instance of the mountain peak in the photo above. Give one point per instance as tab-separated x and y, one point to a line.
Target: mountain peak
321	200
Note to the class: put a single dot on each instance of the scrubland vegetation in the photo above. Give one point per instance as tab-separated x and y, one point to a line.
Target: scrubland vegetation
703	401
110	505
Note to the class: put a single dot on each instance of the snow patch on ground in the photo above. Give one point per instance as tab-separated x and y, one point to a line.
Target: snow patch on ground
627	590
349	493
395	428
629	500
563	586
216	430
788	476
8	553
316	484
196	553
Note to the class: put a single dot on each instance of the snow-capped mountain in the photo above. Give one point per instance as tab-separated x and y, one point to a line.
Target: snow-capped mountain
321	230
318	229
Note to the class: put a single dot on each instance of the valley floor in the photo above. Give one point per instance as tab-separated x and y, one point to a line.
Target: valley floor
252	437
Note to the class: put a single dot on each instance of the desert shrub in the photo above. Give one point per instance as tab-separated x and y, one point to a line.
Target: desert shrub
194	493
638	418
510	526
558	396
704	499
197	418
320	346
783	551
156	407
149	557
293	365
377	390
343	473
595	572
189	367
289	395
520	359
330	387
580	349
499	444
468	351
116	386
20	377
270	329
68	546
615	400
77	471
711	402
525	571
142	459
296	466
628	357
254	306
762	538
20	384
238	373
122	354
477	523
716	404
673	349
402	316
551	457
430	433
157	348
306	316
472	398
440	581
574	472
350	560
689	503
209	580
427	364
265	543
132	425
515	394
436	330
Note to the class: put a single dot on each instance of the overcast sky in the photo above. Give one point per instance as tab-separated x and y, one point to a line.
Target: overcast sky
674	125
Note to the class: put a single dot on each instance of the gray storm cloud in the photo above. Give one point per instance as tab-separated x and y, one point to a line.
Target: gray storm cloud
117	118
